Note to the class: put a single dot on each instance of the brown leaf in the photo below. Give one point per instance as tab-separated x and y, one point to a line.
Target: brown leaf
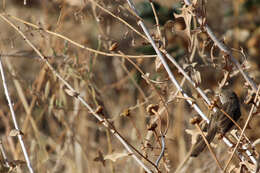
15	163
195	120
186	14
152	126
125	113
151	108
113	46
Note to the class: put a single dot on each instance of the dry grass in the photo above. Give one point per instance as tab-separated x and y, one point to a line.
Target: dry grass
91	50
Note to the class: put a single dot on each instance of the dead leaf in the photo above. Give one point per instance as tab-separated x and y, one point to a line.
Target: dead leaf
125	113
151	108
152	126
15	163
234	169
113	46
186	14
100	158
114	156
196	77
71	92
15	132
251	167
195	120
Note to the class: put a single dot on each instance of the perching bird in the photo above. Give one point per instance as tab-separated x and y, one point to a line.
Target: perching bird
219	122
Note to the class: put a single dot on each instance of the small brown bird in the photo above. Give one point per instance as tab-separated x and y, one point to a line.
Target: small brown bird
219	122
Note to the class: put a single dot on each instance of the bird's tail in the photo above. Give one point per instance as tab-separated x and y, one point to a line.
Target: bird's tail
200	144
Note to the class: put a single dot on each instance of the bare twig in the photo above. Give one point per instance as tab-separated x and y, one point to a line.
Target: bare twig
256	101
140	22
74	42
174	81
120	19
156	20
209	147
19	135
225	49
162	151
3	154
134	82
73	93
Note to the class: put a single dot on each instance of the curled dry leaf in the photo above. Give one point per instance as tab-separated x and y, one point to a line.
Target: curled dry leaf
47	89
256	142
196	77
115	156
100	158
113	46
99	110
195	120
71	93
15	163
251	167
187	16
158	64
15	132
125	113
233	168
151	108
152	126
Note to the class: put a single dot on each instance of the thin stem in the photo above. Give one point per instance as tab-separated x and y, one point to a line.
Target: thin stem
14	120
120	19
140	22
209	147
74	42
105	122
4	154
162	151
226	50
244	128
